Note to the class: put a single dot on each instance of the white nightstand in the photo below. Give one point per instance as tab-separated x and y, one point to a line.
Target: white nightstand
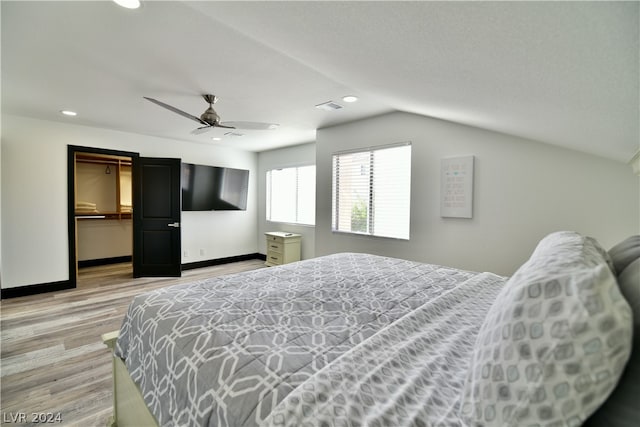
282	247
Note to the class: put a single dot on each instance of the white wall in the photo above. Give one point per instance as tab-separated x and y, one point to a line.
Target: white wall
523	190
1	269
298	155
34	197
99	239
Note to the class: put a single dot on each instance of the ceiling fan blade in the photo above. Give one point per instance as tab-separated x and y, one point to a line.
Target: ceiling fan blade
224	126
175	110
202	129
251	125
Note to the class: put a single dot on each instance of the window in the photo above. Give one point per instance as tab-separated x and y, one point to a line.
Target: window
371	191
291	195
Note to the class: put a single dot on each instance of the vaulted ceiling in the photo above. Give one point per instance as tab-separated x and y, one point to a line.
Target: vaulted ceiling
563	73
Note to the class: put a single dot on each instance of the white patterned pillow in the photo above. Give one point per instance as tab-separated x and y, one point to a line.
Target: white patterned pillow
554	342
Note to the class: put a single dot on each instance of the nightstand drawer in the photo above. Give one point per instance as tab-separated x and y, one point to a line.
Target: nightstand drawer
277	239
273	246
274	258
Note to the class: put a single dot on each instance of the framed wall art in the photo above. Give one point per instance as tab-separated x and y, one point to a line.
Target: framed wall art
456	187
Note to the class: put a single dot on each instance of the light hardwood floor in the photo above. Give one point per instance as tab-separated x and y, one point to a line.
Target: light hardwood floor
52	357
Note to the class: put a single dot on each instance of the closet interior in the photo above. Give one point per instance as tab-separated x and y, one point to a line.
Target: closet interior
103	209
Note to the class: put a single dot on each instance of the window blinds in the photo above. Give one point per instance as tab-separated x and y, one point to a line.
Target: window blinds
371	191
291	195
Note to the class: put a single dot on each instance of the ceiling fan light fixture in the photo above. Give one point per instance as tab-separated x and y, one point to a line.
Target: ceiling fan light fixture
350	98
129	4
210	116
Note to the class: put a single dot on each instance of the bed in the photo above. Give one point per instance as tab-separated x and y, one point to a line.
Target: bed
362	340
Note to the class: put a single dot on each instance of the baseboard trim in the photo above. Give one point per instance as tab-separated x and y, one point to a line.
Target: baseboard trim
219	261
40	288
104	261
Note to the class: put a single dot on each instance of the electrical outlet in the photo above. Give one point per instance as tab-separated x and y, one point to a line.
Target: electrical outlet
185	254
201	252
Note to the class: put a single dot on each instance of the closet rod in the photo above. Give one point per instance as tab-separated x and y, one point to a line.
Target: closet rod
104	162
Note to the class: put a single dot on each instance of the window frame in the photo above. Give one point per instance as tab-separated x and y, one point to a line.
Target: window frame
335	209
268	193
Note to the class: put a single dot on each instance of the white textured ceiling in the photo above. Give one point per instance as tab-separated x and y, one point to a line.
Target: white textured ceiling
564	73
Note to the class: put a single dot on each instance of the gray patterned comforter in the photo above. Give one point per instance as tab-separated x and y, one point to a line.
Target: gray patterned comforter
346	339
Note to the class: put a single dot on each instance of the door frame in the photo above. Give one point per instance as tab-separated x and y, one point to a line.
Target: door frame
71	202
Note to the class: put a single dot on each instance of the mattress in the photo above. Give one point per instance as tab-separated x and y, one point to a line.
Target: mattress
346	339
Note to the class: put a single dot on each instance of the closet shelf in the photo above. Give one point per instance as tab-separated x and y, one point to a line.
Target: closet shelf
103	215
103	159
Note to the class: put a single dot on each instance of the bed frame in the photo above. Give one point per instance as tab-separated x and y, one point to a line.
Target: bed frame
129	408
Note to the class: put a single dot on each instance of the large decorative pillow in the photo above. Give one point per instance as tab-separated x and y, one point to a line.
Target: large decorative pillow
625	252
629	282
621	409
554	343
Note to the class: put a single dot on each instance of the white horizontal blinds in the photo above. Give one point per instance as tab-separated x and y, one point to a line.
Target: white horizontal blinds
306	195
281	197
372	191
351	195
392	191
291	195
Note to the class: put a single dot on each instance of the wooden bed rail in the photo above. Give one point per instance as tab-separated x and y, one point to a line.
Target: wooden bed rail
129	408
110	339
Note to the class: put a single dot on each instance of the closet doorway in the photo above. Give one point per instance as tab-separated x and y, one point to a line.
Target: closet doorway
100	208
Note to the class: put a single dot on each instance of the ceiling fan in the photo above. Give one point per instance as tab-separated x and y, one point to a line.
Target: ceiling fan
210	119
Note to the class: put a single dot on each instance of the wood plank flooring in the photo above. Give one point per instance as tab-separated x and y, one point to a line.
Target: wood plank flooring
52	359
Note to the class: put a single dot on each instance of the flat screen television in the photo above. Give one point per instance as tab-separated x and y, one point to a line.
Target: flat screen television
206	188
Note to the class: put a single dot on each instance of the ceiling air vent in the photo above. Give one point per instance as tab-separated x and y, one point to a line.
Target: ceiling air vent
329	106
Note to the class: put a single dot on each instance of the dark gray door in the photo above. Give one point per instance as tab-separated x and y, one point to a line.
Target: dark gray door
156	216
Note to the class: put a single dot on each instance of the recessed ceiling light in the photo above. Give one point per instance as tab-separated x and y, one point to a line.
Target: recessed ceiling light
68	113
129	4
350	98
215	138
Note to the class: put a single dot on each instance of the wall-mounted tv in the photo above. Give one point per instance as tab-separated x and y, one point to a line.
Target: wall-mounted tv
206	188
